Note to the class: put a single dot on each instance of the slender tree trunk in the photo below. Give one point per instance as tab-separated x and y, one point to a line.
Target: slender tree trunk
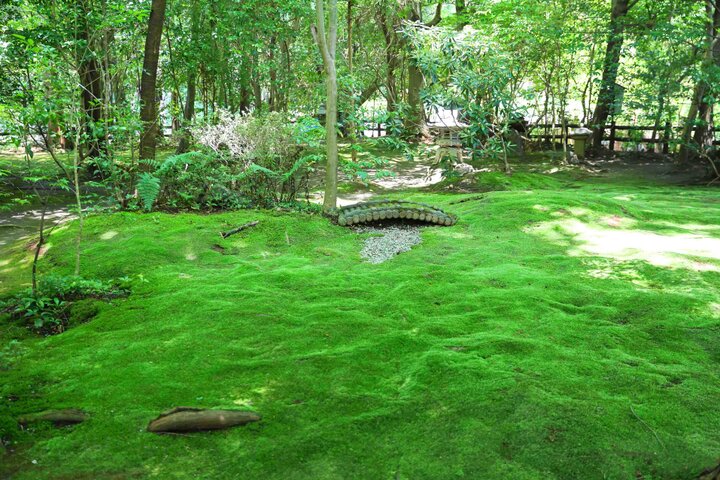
188	112
287	76
272	99
611	66
327	42
92	95
416	123
587	89
78	205
392	60
148	96
189	108
351	127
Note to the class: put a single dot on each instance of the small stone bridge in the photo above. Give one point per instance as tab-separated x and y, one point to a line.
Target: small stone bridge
393	210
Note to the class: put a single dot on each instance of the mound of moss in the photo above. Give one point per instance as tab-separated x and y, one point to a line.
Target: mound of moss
506	346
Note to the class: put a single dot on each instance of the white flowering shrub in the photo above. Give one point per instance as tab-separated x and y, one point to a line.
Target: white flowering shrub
246	161
227	135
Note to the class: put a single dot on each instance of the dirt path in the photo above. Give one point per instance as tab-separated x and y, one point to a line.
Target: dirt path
652	167
407	174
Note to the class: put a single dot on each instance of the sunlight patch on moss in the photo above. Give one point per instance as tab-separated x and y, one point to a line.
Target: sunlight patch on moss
692	251
616	271
108	235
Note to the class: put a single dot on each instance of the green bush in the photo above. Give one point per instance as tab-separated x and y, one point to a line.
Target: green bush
245	161
196	181
60	301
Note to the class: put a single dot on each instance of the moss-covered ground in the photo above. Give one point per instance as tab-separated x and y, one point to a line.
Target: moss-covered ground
561	330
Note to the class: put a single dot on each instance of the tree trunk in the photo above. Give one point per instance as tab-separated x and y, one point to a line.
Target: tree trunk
460	7
700	114
189	108
611	65
327	44
287	76
392	60
148	97
350	126
272	99
188	112
91	92
416	123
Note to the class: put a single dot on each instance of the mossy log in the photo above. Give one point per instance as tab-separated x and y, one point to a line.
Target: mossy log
189	419
59	418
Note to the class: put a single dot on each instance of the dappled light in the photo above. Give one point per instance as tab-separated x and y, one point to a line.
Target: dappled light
359	239
613	237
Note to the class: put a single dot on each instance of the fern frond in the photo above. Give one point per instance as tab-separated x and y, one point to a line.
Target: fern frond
150	162
255	168
148	188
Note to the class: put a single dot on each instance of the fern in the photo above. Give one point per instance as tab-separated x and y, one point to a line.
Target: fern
299	163
182	159
150	162
255	168
148	189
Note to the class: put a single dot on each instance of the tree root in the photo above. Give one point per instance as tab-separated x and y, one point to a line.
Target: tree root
189	419
59	418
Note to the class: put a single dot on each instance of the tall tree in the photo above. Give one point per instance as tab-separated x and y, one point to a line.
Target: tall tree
189	108
701	109
148	81
416	123
91	83
326	38
611	66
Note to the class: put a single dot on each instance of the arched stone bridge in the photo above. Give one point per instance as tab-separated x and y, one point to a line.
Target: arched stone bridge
397	210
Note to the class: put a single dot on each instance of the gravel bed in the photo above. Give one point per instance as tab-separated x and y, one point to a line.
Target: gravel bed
392	241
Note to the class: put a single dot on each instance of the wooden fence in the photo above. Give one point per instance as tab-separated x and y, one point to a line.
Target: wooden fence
664	135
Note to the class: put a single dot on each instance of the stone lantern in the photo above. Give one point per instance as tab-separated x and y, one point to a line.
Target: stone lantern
580	138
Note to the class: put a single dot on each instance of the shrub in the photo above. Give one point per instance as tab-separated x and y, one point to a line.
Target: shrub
194	181
259	161
50	309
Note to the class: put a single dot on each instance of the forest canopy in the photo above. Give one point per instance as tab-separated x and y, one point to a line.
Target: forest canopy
79	66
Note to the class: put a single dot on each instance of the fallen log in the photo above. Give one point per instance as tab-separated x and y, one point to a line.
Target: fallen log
238	229
189	419
59	418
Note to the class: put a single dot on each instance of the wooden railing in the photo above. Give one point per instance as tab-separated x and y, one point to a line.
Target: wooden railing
664	135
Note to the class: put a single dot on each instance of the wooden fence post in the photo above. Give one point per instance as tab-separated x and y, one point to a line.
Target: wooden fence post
612	135
666	138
